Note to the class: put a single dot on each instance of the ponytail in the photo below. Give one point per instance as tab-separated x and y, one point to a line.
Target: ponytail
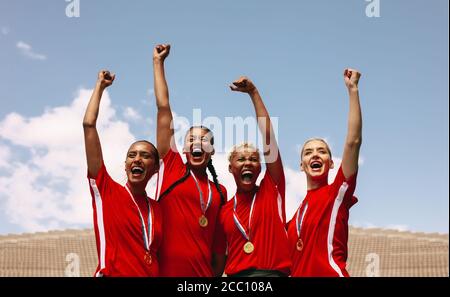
212	170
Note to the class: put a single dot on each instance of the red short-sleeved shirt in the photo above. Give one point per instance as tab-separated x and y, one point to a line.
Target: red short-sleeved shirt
267	232
118	229
324	217
186	248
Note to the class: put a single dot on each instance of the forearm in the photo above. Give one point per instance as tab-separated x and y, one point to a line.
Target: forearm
160	84
354	131
270	146
264	122
164	135
91	114
94	156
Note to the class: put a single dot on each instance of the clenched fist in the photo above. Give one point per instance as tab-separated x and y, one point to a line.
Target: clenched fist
105	78
243	84
161	51
351	78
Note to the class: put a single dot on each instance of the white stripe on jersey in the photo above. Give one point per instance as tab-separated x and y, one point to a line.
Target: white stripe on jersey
100	226
331	228
280	207
160	179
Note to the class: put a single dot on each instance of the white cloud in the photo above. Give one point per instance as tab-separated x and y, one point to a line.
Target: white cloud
5	154
49	189
131	114
28	52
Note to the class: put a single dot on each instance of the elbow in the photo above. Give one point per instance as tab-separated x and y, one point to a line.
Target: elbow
354	142
163	107
88	124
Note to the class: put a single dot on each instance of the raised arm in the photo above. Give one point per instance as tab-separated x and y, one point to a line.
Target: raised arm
91	140
271	151
354	132
164	134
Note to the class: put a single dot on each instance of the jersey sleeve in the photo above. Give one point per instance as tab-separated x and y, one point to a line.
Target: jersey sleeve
101	185
171	169
347	186
276	192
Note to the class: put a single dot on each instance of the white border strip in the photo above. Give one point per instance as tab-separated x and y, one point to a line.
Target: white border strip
337	204
100	225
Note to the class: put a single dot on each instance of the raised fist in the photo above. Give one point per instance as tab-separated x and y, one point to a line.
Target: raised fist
243	84
161	51
105	78
351	78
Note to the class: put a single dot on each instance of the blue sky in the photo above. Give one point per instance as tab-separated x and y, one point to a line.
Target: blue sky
294	51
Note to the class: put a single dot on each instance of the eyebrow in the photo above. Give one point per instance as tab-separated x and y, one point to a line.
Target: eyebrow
317	148
135	151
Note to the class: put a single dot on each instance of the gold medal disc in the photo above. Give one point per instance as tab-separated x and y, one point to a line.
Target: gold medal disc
249	247
203	221
300	245
148	258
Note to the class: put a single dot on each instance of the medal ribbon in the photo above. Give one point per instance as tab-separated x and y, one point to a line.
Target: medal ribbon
202	203
237	221
148	238
299	220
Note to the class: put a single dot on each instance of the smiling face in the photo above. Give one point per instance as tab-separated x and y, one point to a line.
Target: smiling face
245	165
198	147
316	160
141	163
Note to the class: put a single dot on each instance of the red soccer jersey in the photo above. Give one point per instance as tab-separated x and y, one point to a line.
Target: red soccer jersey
267	229
322	219
118	229
187	247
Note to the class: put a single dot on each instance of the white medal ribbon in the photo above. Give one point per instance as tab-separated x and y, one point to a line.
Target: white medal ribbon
148	238
237	221
202	203
299	220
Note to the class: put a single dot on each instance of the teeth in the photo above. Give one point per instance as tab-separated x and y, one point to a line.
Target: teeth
137	170
247	175
196	152
316	165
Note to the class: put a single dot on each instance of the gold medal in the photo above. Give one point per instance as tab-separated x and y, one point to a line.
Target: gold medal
203	221
299	245
249	247
147	258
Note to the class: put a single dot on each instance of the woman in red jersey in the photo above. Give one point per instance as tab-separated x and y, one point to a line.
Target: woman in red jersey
127	223
318	232
189	201
254	220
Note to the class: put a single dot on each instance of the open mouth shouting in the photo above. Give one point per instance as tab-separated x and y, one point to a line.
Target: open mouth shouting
197	152
137	171
316	165
247	176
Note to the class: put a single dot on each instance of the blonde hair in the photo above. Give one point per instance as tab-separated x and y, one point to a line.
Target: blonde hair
240	147
316	139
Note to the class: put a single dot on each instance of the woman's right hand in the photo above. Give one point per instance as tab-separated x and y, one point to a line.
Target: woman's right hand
105	78
160	52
